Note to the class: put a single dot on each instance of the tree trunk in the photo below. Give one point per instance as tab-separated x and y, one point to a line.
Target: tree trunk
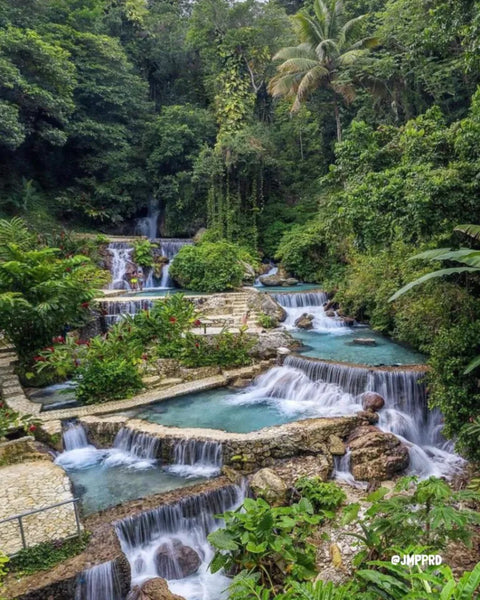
337	119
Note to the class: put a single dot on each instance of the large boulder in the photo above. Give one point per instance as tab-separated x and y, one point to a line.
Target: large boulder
267	343
376	455
268	485
277	281
305	321
153	589
249	274
264	303
372	401
174	560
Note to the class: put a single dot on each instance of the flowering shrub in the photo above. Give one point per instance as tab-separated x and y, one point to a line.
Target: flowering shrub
224	350
110	379
11	421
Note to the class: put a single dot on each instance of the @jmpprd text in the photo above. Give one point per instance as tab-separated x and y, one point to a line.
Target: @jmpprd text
411	560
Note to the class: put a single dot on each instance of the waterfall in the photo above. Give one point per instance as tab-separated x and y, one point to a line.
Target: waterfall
195	458
189	521
272	271
74	437
305	388
148	226
169	249
121	257
342	472
115	310
101	582
296	304
78	453
133	449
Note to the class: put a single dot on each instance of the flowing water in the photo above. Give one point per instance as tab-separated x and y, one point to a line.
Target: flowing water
297	304
196	458
101	582
121	258
188	521
169	249
148	226
128	470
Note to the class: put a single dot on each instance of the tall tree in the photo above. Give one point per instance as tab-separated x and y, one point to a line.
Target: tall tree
329	44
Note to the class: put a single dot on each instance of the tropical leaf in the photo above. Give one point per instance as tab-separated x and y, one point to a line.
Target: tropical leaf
433	275
472	365
472	231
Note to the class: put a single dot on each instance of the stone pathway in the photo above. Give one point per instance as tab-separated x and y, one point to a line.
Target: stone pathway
29	486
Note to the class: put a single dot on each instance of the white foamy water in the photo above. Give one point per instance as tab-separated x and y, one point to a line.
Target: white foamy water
196	458
189	521
311	303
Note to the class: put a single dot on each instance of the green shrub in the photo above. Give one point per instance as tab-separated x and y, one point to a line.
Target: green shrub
223	350
457	395
46	555
270	542
110	379
209	267
323	495
143	253
267	321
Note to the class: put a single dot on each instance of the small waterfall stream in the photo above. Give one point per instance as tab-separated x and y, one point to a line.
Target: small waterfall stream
101	582
121	257
196	458
189	521
297	304
169	249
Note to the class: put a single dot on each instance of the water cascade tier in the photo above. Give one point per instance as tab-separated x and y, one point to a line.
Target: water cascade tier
169	249
115	310
311	303
147	538
121	253
196	458
101	582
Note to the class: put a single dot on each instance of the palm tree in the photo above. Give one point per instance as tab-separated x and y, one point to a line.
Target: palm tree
328	44
470	259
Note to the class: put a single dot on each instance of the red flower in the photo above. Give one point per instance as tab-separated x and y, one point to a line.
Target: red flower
144	356
39	359
68	269
59	339
197	345
197	323
85	304
172	319
32	428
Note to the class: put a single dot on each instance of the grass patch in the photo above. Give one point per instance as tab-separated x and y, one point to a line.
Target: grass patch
47	554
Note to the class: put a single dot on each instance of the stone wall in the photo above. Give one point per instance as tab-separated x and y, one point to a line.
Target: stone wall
241	451
29	486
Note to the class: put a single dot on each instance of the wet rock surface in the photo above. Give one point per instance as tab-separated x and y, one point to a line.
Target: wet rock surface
372	401
174	560
153	589
376	455
268	485
305	321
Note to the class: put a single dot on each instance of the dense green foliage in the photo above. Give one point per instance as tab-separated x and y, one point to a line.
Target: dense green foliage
110	366
209	267
11	421
322	495
46	555
41	292
416	518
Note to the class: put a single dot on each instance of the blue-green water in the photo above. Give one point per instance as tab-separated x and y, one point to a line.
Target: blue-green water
301	287
339	346
215	409
100	487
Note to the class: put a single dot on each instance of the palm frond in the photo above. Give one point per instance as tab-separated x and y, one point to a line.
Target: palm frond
472	231
352	56
300	51
472	365
345	89
298	65
433	275
349	29
310	81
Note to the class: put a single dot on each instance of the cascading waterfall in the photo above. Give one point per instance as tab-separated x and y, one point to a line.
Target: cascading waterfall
272	271
297	304
133	449
306	388
78	452
189	522
148	225
196	458
169	249
115	310
101	582
121	257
